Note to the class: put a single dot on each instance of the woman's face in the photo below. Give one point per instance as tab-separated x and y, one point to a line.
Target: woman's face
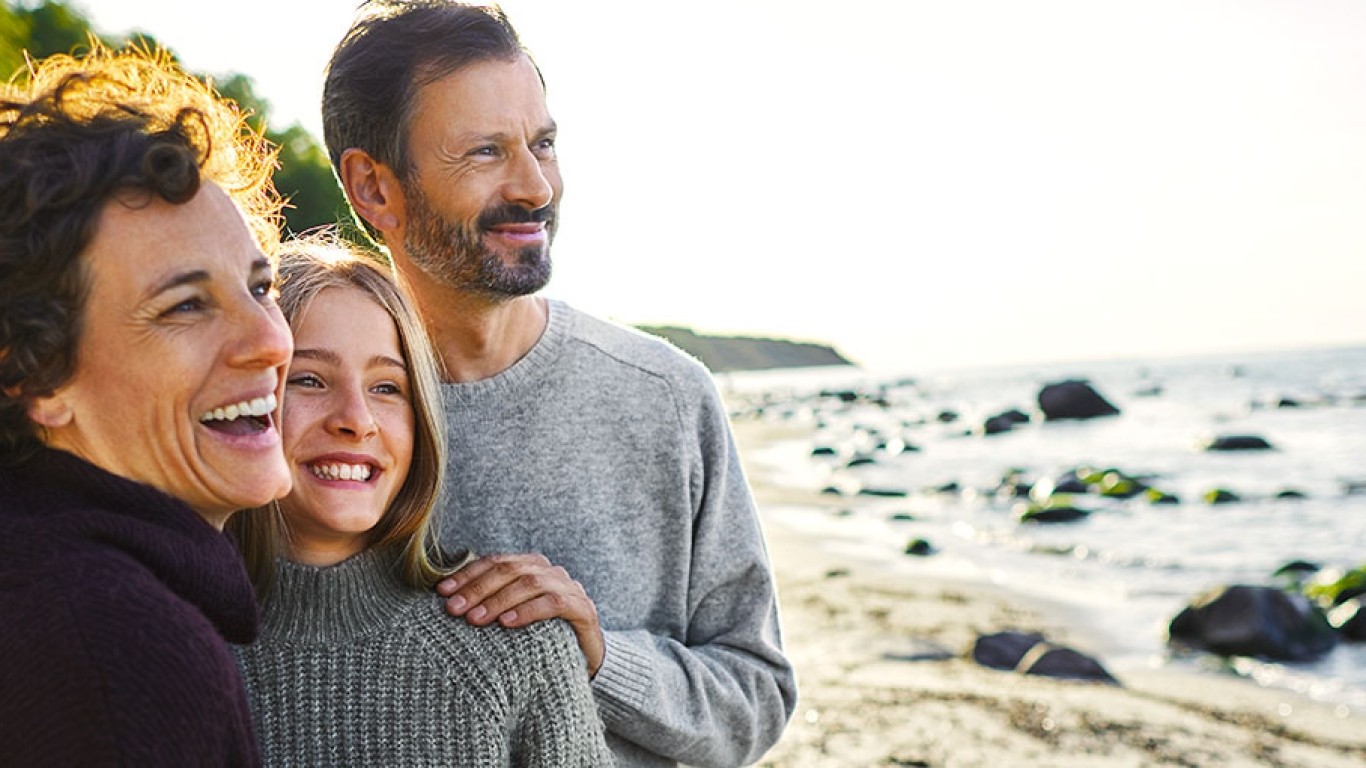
181	358
347	423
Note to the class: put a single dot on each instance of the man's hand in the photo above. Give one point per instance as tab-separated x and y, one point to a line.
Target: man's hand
517	590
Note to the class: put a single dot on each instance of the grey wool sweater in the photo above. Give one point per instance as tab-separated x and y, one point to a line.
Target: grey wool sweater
353	667
610	452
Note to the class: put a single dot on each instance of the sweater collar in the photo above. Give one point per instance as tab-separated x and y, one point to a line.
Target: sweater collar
526	371
193	559
334	603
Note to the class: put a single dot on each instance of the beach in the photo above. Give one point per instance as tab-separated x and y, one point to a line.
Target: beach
886	679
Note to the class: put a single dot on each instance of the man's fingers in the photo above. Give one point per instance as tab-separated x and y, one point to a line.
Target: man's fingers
470	586
516	589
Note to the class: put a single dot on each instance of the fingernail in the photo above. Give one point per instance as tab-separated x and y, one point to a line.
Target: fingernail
478	613
456	604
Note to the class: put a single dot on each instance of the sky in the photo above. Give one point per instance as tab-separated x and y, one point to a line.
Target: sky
922	184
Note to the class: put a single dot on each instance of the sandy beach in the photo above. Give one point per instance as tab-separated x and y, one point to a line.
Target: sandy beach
886	678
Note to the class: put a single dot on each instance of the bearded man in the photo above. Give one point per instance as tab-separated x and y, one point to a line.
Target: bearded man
591	465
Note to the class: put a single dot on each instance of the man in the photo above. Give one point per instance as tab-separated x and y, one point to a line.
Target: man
597	460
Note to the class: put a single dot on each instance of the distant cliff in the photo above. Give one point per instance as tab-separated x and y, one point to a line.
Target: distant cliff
740	353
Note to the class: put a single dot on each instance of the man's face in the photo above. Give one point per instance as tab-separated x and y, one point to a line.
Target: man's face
482	198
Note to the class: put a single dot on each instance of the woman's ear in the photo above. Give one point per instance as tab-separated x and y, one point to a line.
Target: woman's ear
374	191
50	412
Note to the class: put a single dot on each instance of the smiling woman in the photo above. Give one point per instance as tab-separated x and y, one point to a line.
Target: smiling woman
141	353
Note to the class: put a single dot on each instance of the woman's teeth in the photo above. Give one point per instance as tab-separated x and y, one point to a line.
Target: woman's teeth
260	406
359	472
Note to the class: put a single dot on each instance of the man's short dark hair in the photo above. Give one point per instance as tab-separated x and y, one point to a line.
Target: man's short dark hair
393	49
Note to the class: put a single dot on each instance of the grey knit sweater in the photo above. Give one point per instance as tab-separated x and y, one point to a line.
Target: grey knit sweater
610	452
355	668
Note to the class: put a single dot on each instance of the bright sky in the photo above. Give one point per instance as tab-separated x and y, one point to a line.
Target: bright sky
923	183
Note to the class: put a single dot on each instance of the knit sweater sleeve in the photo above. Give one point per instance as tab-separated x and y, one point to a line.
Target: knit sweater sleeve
558	724
721	695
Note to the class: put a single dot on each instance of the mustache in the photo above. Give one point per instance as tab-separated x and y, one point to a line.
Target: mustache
510	213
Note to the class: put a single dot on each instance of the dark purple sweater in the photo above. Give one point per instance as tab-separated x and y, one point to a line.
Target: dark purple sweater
115	601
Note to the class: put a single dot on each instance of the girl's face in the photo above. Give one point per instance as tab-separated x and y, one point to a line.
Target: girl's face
347	424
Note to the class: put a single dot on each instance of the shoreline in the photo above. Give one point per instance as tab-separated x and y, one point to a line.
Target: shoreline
884	675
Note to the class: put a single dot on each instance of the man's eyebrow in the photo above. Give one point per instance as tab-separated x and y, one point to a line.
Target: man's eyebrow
499	137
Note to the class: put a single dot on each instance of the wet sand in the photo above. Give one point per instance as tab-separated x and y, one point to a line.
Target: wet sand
885	676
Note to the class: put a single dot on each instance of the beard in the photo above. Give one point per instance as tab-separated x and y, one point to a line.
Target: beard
454	253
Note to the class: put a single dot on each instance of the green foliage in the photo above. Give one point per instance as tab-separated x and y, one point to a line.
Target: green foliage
304	177
1337	590
42	30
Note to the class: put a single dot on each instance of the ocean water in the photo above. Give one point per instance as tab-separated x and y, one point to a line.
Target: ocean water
1131	565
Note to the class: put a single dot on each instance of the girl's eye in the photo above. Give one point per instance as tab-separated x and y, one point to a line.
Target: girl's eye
305	380
388	389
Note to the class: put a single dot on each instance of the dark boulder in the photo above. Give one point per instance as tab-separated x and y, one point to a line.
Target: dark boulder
1048	660
893	493
1298	568
1073	399
1154	496
1070	481
1221	496
1004	421
1033	513
1004	650
1237	443
1244	620
919	547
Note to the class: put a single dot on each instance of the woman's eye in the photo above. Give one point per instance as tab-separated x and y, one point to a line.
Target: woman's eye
184	307
388	389
264	289
305	380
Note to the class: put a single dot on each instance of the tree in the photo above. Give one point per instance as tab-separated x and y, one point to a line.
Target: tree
305	175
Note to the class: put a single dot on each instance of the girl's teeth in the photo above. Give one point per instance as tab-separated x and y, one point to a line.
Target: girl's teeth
359	472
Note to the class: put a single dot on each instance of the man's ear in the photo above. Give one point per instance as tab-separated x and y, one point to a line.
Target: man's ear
373	189
50	412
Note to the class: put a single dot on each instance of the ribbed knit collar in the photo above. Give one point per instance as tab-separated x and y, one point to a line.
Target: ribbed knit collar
522	373
74	500
334	603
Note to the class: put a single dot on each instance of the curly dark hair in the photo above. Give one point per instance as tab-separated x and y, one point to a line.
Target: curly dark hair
75	133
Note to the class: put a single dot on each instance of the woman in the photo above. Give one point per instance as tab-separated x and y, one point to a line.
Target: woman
357	663
141	355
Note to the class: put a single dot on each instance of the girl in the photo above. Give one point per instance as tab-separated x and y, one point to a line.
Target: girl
357	662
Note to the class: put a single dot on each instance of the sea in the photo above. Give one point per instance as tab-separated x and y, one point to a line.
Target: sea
903	455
